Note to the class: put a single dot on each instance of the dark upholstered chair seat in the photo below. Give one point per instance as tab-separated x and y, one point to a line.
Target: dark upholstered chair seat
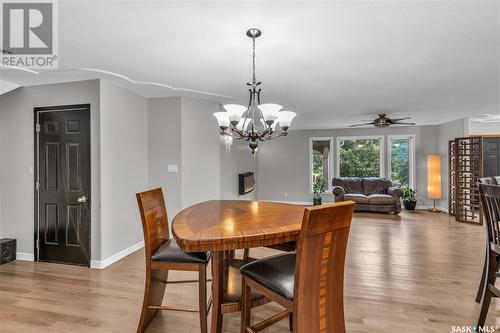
275	273
171	252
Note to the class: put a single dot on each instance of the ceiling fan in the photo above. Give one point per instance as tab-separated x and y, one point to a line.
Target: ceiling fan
384	121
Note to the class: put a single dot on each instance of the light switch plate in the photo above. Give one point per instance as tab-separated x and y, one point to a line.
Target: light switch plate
172	168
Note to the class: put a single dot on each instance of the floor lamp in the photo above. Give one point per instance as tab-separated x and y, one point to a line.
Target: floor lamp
434	180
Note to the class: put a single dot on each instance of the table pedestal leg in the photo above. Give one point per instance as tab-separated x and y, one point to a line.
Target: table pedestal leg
217	291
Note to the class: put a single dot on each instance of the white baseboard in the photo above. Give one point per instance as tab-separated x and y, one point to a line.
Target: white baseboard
100	264
25	256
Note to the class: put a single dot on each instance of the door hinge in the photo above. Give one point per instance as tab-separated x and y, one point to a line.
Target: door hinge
37	243
37	185
37	127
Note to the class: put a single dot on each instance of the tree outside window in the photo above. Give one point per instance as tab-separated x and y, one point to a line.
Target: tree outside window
400	161
359	157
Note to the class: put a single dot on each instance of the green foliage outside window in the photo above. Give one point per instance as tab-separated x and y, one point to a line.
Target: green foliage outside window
400	172
360	158
317	163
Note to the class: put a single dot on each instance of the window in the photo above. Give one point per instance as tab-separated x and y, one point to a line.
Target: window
320	160
402	159
360	156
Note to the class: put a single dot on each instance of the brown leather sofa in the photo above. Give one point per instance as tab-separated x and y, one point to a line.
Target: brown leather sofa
370	194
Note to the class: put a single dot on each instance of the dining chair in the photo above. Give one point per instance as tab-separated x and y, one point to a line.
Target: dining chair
490	205
162	255
308	283
479	295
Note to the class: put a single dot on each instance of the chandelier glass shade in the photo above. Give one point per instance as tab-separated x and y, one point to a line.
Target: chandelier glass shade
255	122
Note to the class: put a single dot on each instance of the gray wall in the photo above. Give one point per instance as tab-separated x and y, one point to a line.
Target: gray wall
124	166
1	173
284	162
200	152
236	158
17	156
180	133
448	131
164	147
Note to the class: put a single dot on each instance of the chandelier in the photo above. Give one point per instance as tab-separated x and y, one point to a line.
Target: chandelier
255	122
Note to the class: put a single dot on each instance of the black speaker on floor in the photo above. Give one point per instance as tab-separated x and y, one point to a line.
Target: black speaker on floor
7	250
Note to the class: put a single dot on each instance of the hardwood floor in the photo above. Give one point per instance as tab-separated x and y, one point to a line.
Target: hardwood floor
414	273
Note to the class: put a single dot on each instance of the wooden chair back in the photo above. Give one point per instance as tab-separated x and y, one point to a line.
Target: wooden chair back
319	274
154	220
490	204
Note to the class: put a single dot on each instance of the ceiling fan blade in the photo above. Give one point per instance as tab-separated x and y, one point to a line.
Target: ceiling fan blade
371	123
398	119
397	123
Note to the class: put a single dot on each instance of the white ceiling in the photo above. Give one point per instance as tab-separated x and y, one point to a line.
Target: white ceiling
334	63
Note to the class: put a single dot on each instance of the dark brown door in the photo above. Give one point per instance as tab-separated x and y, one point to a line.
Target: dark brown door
491	157
62	197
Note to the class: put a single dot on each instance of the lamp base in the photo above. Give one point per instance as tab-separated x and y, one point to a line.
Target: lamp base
434	209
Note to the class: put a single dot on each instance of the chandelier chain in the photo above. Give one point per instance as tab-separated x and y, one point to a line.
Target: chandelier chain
254	80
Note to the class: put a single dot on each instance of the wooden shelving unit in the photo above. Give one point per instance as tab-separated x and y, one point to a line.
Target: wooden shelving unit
451	178
465	165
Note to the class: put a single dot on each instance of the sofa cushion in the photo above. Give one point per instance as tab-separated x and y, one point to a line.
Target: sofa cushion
349	184
373	185
357	198
381	199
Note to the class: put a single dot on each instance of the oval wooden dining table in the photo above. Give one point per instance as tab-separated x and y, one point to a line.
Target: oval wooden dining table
223	225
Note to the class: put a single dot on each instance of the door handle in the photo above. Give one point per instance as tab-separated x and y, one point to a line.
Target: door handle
82	199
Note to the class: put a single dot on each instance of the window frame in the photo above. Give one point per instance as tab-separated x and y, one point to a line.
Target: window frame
330	162
411	158
354	137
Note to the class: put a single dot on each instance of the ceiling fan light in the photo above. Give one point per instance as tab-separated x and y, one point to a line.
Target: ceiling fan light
235	111
285	119
270	112
222	119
